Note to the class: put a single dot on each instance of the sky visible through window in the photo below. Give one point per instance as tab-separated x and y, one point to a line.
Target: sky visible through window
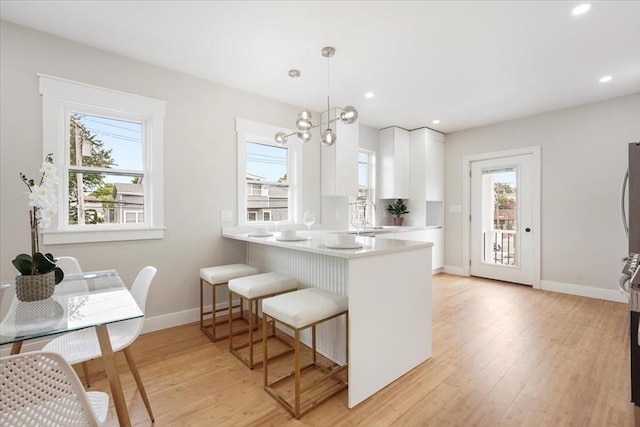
124	138
269	163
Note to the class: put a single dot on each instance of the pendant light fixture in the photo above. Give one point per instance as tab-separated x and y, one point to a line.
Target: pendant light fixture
304	125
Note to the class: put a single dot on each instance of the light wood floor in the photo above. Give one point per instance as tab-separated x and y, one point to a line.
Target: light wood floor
503	355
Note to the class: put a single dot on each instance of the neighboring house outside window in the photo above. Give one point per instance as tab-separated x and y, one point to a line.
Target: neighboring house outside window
271	174
128	203
108	147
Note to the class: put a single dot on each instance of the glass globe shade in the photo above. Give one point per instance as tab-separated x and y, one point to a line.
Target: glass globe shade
281	138
304	136
349	114
328	137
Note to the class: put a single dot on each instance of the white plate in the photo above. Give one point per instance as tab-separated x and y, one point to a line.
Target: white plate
260	235
294	239
355	245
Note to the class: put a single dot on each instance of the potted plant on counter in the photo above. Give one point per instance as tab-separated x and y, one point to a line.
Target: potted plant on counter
38	272
397	209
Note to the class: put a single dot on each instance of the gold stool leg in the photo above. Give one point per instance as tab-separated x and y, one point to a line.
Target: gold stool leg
230	303
297	371
265	358
213	312
201	305
313	342
250	301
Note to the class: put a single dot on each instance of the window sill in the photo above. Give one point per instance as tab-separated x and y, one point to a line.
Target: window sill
94	236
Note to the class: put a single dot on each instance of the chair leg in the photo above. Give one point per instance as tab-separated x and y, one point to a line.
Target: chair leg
134	371
85	371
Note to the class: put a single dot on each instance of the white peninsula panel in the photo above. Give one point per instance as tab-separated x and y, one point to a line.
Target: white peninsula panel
388	283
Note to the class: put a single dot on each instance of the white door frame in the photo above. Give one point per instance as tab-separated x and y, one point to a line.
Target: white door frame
535	196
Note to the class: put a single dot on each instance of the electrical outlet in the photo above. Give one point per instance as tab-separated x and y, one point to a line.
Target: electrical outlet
226	215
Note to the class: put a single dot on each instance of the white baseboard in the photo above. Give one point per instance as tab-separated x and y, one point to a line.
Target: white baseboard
458	271
583	291
179	318
437	271
151	324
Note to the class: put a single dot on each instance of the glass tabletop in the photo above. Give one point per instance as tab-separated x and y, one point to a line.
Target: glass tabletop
80	301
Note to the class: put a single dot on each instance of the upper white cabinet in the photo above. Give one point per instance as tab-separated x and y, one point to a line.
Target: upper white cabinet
339	162
394	163
427	155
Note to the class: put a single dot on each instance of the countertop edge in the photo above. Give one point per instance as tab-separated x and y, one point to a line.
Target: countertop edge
371	247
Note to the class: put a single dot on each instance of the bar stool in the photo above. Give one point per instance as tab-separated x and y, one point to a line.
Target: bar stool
218	276
254	289
300	310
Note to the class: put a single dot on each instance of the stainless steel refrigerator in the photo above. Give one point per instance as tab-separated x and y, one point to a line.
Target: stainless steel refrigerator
630	279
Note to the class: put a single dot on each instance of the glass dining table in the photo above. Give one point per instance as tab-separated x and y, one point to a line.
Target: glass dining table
84	300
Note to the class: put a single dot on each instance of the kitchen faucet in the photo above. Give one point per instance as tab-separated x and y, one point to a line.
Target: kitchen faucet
364	212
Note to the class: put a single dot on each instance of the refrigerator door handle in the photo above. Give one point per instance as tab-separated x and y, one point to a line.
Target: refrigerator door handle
623	191
623	284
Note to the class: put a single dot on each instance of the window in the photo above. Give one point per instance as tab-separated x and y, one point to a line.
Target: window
107	146
269	175
366	188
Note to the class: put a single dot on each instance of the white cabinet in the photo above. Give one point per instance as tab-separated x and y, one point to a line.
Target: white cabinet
339	162
433	235
394	163
427	178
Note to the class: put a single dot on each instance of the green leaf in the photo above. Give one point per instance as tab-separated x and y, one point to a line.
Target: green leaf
23	264
59	274
42	263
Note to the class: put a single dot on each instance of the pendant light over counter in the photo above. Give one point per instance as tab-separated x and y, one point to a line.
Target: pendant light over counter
304	125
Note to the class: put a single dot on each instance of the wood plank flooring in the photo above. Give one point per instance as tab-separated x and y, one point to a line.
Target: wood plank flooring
503	355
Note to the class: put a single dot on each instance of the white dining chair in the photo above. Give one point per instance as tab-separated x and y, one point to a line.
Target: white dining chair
81	346
41	388
68	265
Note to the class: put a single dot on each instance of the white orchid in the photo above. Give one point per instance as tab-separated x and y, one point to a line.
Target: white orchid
43	198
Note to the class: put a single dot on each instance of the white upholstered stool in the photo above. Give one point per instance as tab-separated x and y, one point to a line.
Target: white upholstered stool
301	310
254	289
218	276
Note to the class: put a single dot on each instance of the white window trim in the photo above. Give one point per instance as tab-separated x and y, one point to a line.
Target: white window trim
61	95
263	134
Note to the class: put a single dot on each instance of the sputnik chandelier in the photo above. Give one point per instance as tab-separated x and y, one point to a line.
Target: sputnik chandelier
304	125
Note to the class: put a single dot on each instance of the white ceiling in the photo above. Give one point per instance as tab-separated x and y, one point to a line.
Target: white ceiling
465	63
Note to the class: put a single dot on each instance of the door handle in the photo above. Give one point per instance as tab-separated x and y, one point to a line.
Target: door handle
527	229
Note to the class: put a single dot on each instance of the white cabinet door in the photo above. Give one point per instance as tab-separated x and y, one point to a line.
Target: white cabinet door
339	168
436	236
433	235
394	163
434	168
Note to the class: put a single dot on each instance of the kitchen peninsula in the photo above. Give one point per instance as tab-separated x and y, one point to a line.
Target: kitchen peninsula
388	283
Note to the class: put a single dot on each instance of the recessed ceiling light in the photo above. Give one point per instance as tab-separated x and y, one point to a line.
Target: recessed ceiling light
605	79
436	121
579	10
369	95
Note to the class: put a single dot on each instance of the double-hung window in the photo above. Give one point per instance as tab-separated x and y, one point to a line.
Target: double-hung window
108	147
269	175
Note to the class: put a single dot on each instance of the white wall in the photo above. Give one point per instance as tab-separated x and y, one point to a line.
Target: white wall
200	161
584	155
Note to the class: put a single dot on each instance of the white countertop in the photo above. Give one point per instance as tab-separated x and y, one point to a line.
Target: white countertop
318	239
